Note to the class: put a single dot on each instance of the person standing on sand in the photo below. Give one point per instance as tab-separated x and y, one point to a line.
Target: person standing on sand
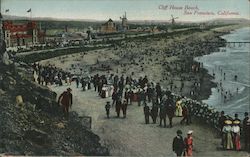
188	141
149	93
118	106
126	94
95	81
248	134
83	82
170	108
221	124
236	134
244	130
154	113
139	96
227	135
124	108
178	144
146	113
114	98
185	113
68	80
163	115
178	111
158	92
66	100
77	82
107	108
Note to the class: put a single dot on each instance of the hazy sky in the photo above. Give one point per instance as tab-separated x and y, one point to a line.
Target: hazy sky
136	9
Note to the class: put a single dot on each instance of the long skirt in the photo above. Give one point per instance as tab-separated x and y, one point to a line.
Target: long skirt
228	142
178	112
189	151
237	141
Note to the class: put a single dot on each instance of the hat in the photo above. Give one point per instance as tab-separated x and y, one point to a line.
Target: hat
69	89
228	122
236	122
190	132
179	132
108	102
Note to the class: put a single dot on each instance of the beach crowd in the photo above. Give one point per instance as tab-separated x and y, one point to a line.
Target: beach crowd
157	102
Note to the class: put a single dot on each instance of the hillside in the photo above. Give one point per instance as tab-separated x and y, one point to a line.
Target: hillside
37	127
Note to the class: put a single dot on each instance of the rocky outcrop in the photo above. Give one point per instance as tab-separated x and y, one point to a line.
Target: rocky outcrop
37	126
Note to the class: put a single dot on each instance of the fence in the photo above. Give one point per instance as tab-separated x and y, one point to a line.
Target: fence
202	111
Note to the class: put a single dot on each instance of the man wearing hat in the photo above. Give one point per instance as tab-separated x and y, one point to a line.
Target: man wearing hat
66	100
118	106
244	129
146	113
188	141
158	91
170	109
124	108
221	124
107	107
248	134
178	144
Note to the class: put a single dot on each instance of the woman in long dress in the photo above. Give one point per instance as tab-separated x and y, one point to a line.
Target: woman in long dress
189	144
227	130
236	134
178	111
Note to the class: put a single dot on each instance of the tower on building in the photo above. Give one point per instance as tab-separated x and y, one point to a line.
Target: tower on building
124	19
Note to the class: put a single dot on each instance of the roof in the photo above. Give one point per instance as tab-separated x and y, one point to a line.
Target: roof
8	25
110	20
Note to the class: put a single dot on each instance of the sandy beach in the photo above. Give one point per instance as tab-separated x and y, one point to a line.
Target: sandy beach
164	59
167	60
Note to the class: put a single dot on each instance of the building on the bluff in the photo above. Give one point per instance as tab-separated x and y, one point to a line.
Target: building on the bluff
108	27
27	34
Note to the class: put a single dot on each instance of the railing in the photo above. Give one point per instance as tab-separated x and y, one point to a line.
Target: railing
203	111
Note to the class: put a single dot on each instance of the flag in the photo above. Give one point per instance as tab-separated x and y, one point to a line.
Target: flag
7	10
29	10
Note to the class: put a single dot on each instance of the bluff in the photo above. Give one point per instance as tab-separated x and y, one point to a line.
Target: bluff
37	126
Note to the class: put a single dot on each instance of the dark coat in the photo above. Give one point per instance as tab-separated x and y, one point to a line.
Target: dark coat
178	144
163	111
65	98
146	110
118	105
170	108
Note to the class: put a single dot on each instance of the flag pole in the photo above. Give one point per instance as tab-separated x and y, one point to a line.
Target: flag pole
30	12
30	15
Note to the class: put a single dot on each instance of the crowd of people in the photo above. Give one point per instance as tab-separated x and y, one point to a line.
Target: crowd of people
233	130
128	90
49	75
163	104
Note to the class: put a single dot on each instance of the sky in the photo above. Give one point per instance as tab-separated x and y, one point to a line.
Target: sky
135	9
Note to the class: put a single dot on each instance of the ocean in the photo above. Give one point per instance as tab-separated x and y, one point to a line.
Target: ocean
231	68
